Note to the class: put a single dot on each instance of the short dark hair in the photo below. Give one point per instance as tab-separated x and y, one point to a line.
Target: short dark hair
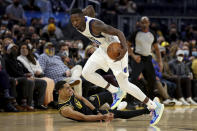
59	85
76	11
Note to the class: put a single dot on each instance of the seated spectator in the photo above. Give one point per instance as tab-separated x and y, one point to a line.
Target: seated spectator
75	69
162	86
33	66
181	70
30	6
54	68
64	53
16	69
15	12
50	34
5	96
51	27
74	52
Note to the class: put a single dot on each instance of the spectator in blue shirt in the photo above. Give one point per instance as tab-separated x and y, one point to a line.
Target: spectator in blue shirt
52	65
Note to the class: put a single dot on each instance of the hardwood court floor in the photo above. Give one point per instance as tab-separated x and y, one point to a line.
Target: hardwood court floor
174	119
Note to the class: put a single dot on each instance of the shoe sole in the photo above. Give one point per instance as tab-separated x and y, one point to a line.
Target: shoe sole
118	102
161	113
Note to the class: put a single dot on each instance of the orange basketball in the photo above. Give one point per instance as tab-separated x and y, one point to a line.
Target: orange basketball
113	50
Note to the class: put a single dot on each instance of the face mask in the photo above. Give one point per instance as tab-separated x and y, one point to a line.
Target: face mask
80	46
65	52
194	53
180	58
30	46
186	52
50	52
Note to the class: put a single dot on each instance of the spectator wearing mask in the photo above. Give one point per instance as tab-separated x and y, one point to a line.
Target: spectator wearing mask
5	89
16	69
163	86
64	54
50	34
33	66
186	53
56	30
53	66
168	77
181	70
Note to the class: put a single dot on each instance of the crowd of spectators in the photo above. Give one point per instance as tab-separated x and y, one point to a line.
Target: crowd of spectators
33	58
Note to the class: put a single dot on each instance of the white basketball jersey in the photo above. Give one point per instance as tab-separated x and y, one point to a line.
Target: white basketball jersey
103	40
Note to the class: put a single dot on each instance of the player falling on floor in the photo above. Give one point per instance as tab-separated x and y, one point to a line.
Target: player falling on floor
102	34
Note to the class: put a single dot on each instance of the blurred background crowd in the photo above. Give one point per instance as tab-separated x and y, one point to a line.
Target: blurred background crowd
39	47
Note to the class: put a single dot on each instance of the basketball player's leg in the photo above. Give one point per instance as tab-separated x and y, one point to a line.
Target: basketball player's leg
120	70
133	90
129	114
95	62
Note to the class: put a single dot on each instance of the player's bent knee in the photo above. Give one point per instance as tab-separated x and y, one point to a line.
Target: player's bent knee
85	73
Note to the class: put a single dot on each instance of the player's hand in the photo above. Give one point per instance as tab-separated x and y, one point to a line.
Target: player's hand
122	54
137	58
108	117
111	116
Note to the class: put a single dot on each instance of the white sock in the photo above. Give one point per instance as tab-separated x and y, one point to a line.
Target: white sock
151	105
112	89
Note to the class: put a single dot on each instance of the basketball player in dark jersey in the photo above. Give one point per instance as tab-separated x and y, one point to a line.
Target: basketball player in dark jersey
76	107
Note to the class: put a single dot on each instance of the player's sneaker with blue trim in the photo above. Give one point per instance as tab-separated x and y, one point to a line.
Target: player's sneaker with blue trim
117	98
157	113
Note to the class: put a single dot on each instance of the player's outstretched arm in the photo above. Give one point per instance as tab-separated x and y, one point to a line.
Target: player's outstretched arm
89	11
75	115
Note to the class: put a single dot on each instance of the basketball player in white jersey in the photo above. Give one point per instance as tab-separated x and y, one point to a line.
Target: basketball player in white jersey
104	35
